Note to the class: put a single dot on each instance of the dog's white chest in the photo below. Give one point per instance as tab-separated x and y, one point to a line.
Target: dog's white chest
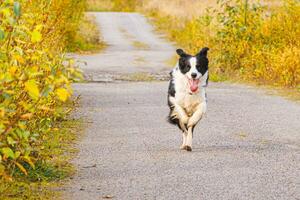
188	102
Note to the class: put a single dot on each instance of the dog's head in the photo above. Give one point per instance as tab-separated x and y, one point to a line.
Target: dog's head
193	67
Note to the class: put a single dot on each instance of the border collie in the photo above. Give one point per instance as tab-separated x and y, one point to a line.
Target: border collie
187	95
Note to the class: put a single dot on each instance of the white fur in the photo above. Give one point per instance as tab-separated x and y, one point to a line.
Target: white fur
193	62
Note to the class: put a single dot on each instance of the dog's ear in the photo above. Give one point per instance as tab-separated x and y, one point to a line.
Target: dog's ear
203	52
181	53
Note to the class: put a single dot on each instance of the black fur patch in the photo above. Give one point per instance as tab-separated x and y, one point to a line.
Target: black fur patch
202	61
171	92
183	62
202	64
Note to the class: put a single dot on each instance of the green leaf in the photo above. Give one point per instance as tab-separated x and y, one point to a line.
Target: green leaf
46	91
17	154
17	9
26	134
8	152
10	140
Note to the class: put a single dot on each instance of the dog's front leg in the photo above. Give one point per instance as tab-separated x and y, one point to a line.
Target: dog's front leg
201	109
181	115
189	138
184	136
194	119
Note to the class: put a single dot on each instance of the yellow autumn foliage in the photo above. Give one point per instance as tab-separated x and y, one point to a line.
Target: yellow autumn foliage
248	40
35	76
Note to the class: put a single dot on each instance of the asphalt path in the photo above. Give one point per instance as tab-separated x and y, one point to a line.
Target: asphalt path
246	147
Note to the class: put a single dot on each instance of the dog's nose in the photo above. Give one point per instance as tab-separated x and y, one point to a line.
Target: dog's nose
194	75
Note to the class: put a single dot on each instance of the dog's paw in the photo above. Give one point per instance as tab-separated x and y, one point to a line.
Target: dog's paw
188	148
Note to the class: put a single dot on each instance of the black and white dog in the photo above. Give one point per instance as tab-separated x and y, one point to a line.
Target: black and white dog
187	95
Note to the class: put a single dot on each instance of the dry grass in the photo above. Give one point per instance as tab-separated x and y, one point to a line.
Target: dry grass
100	5
188	9
113	5
87	39
138	76
179	8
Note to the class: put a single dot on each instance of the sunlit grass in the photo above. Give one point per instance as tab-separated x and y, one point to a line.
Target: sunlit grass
99	5
88	37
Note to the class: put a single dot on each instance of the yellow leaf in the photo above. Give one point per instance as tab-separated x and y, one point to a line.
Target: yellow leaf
45	108
13	70
62	94
26	116
32	89
2	114
20	59
21	168
36	36
28	160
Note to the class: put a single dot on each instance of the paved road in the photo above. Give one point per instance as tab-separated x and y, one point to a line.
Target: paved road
247	147
132	48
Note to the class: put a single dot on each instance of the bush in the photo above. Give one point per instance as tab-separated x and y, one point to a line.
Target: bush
35	77
259	45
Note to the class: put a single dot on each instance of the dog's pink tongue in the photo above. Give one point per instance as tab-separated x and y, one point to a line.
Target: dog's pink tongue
194	85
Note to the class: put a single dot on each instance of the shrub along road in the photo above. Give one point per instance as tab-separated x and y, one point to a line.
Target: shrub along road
247	146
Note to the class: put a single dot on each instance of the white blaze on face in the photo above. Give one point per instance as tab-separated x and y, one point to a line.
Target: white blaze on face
193	62
193	82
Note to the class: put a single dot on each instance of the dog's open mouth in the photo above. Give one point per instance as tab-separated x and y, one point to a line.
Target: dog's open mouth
193	84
